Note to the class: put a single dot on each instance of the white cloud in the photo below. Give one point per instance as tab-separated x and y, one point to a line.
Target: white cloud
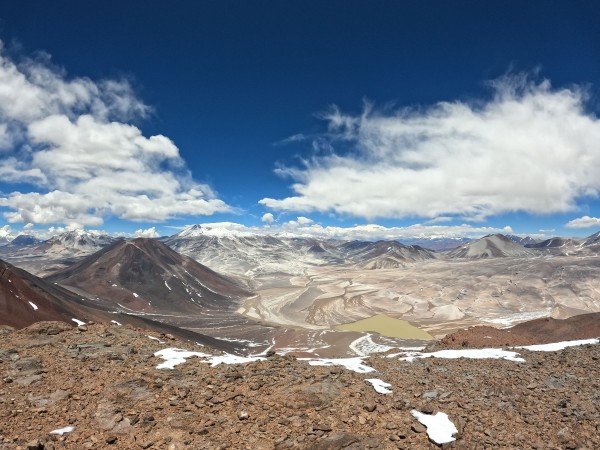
291	139
373	231
358	232
530	148
267	218
584	222
68	139
47	233
440	219
304	220
53	207
5	138
147	233
5	231
299	222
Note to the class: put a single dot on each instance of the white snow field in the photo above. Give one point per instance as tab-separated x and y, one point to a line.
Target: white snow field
439	428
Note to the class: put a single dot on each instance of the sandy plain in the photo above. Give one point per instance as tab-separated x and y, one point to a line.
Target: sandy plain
438	296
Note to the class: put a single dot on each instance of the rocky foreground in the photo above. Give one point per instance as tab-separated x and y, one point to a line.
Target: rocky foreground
103	381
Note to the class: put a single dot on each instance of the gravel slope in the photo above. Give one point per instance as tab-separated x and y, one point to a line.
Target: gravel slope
103	381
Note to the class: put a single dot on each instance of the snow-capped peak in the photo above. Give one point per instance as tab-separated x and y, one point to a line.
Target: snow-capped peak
5	235
81	240
221	229
192	231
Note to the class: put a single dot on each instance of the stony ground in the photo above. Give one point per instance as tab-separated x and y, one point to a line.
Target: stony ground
103	381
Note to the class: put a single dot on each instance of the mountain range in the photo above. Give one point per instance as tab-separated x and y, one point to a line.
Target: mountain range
261	290
250	255
62	250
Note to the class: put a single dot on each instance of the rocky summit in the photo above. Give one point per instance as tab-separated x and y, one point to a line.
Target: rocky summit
106	386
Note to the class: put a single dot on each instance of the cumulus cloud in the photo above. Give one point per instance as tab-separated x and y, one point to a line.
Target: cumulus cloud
70	141
584	222
530	148
48	232
300	221
5	140
5	231
304	220
147	233
267	218
358	232
373	231
9	233
441	219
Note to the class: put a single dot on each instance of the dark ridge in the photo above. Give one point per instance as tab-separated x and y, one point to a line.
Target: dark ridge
54	303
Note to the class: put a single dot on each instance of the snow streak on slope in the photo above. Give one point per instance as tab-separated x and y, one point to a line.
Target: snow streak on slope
175	356
251	255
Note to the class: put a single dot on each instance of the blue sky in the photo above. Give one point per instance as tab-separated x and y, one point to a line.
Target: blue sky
443	118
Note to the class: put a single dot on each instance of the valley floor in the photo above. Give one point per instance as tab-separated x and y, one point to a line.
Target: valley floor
439	296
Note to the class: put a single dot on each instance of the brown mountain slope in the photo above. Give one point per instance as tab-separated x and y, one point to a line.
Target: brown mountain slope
145	278
538	331
583	326
144	275
26	299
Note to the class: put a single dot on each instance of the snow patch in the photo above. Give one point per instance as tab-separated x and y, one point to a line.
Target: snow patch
474	353
176	356
135	295
493	353
364	346
78	322
510	319
64	430
155	339
380	385
353	364
232	359
34	306
242	341
116	323
168	287
556	346
439	428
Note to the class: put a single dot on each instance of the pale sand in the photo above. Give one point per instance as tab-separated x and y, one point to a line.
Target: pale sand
439	296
